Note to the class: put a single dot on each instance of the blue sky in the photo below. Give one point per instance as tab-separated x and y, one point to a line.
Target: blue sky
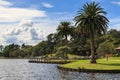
66	9
30	21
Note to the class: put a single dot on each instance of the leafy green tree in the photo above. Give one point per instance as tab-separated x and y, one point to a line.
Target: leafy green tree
105	48
14	54
40	49
91	19
26	51
51	43
114	33
6	51
62	51
9	49
114	36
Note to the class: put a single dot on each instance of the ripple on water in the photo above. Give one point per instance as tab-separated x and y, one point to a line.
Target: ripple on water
20	69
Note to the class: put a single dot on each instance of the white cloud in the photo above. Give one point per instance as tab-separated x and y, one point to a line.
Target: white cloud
115	23
115	20
23	33
27	31
17	14
47	5
118	3
20	35
26	23
13	14
115	26
5	3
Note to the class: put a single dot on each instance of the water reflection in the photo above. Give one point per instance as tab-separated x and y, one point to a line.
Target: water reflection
19	69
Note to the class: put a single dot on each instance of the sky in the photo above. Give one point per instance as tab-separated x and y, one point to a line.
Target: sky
30	21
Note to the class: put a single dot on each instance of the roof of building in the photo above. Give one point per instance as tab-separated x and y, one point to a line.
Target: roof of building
118	48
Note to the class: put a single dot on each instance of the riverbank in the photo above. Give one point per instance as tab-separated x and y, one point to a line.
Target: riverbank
102	66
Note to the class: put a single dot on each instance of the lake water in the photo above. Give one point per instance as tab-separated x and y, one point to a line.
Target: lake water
20	69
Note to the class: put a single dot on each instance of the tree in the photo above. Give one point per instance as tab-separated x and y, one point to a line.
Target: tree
105	48
6	51
91	19
62	51
9	49
40	49
50	43
26	51
114	33
64	30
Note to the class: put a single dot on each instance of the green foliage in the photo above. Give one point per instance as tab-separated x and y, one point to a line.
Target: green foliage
26	51
91	19
105	48
6	51
42	48
114	33
62	51
64	30
14	51
10	48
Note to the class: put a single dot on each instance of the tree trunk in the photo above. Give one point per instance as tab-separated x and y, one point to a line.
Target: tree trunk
66	41
93	60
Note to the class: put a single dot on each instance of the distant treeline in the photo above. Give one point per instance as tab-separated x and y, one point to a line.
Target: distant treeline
77	42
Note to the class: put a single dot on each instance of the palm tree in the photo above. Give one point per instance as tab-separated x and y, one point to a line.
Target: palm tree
64	30
91	19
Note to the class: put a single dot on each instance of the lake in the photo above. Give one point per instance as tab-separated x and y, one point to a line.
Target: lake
20	69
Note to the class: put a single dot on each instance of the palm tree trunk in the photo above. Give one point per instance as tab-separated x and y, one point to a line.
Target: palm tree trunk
66	41
93	60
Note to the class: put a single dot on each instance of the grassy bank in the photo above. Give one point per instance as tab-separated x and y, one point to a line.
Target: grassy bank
113	63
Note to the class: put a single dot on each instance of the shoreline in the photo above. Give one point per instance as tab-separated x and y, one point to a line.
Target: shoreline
82	69
87	70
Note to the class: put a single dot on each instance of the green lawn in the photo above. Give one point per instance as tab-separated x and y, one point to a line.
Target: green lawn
113	63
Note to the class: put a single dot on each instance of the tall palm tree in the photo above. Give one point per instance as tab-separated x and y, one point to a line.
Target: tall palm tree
91	19
64	30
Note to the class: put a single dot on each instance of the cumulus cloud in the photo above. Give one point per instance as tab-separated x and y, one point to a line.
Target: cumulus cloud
47	5
28	23
27	31
19	35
